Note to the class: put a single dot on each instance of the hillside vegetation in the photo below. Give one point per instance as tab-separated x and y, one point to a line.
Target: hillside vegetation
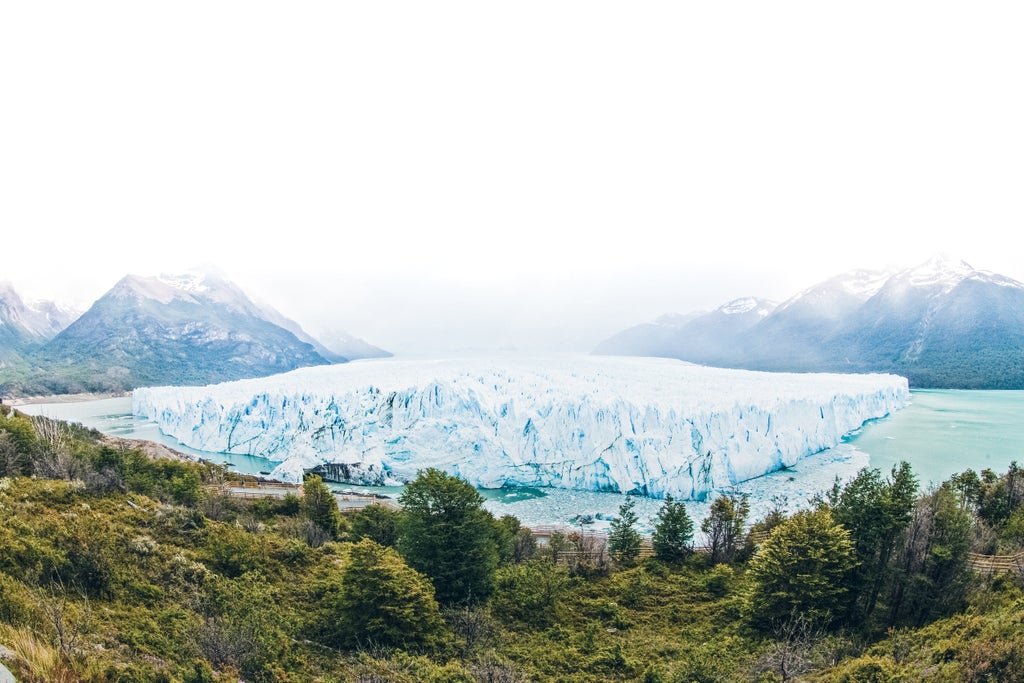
115	567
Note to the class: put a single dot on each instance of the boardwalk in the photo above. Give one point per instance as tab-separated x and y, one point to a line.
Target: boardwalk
254	489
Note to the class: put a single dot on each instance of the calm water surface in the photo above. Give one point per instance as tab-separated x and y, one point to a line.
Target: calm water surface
944	432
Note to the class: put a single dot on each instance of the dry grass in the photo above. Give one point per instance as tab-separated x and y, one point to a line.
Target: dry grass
34	661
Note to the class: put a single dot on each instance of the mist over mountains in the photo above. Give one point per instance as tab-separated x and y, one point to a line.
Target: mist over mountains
940	324
25	325
195	328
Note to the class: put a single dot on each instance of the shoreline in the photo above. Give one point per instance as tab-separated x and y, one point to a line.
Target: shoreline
16	401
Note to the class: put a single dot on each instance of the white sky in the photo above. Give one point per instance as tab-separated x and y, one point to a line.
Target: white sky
444	175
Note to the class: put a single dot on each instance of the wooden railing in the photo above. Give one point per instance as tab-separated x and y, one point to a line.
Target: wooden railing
253	489
992	564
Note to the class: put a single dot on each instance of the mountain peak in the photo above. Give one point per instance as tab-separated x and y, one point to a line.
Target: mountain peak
941	269
747	304
40	319
141	287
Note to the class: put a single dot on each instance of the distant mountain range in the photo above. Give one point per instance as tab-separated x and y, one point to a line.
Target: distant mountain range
196	328
940	324
24	326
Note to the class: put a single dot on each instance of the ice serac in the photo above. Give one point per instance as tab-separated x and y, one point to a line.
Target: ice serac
643	425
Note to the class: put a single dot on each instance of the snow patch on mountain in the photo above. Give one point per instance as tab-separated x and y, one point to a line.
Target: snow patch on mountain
649	426
39	318
746	305
940	271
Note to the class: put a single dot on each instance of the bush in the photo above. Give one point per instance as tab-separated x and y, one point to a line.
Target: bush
529	593
383	602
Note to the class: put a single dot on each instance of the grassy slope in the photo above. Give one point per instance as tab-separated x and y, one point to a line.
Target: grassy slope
153	584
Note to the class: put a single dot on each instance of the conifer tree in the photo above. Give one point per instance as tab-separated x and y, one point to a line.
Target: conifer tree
623	539
673	532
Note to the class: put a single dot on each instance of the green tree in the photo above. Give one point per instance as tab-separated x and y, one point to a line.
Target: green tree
931	575
724	526
18	444
1001	496
446	534
623	539
382	601
875	512
801	570
673	532
376	522
320	507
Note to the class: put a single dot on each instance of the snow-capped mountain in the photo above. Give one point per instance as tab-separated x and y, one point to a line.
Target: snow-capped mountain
944	323
941	324
194	328
794	336
25	325
648	426
698	337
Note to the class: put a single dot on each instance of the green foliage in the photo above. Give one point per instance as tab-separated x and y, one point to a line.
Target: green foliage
16	602
243	627
524	545
1000	503
719	580
623	539
504	531
166	480
377	523
673	532
868	669
875	512
145	588
20	430
931	576
446	534
18	444
320	507
384	602
801	570
529	593
232	551
724	527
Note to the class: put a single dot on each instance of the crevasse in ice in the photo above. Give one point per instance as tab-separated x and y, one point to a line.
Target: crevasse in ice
649	426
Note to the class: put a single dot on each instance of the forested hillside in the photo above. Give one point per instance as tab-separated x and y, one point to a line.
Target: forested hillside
115	567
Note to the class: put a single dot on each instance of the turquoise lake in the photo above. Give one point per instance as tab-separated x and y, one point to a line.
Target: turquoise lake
940	433
944	432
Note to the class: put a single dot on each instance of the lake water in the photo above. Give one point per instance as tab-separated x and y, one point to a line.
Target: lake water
940	433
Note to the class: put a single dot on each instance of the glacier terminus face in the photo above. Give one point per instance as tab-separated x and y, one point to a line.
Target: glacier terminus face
632	425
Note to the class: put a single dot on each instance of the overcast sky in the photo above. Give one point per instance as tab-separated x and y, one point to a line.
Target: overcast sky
447	175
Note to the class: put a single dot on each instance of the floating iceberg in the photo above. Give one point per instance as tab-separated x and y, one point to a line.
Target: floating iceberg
642	425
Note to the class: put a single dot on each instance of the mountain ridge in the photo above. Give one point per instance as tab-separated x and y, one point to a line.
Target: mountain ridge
192	328
942	324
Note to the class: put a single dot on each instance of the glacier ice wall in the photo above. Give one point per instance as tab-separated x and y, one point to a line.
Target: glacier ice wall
643	425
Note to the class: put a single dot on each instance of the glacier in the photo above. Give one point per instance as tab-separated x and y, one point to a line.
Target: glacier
646	426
